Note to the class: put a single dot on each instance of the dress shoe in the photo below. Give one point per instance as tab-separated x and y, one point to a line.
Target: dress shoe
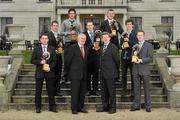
88	94
74	112
112	111
94	93
102	110
135	108
83	111
53	109
38	110
148	109
58	94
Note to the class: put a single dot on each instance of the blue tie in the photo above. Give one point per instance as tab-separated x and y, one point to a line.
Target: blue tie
92	37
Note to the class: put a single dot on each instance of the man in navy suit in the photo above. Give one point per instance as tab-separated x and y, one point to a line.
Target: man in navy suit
111	25
109	66
77	73
54	41
42	74
93	61
126	63
141	72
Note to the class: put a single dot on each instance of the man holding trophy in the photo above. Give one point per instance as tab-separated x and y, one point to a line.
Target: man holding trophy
56	40
93	43
44	57
128	40
142	56
70	28
112	26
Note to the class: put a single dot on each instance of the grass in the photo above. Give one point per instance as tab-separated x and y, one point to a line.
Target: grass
27	56
3	53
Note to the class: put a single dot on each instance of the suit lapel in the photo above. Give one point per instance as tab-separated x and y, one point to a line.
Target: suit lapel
107	25
142	47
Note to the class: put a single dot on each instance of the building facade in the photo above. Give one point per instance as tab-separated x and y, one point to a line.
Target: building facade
36	15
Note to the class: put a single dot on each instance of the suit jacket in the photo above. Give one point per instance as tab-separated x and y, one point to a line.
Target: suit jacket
76	65
132	41
109	62
146	54
52	40
105	27
36	59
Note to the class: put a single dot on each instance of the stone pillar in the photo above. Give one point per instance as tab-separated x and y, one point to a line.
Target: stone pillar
175	71
59	18
4	60
124	20
78	17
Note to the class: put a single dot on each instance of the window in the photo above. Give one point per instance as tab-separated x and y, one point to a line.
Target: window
91	1
135	0
99	2
44	24
5	0
5	21
83	2
168	20
44	0
167	0
137	22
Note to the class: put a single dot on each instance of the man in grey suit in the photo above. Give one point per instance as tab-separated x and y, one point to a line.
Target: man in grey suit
141	71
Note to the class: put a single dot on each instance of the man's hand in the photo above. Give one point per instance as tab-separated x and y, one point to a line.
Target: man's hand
126	39
42	62
139	61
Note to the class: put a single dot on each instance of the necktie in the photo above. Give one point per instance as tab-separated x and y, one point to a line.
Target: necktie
104	49
92	37
44	48
82	51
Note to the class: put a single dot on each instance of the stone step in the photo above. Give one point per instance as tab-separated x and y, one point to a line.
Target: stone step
154	77
32	71
88	106
31	66
67	91
31	84
88	99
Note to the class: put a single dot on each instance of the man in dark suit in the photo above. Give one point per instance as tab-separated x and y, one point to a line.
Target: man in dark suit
130	38
112	26
141	71
93	61
109	66
44	70
77	73
57	43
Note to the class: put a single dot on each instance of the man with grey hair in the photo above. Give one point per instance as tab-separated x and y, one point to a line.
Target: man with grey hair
77	73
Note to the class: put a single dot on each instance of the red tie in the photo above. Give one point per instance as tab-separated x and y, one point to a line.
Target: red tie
82	51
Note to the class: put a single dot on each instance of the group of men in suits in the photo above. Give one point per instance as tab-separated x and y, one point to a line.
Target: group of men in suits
84	63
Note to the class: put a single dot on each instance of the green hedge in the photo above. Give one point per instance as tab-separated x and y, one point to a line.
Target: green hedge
3	53
27	56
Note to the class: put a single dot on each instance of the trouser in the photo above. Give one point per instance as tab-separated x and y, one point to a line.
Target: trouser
78	90
108	93
125	64
137	90
50	91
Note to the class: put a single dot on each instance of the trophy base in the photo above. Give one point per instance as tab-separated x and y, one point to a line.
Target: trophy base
126	45
59	50
134	58
46	67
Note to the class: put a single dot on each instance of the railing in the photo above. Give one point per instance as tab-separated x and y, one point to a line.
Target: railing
91	3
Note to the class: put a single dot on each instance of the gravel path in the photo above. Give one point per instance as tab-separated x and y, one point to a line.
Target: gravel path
156	114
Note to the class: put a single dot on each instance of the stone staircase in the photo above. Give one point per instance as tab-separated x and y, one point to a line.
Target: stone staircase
24	93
